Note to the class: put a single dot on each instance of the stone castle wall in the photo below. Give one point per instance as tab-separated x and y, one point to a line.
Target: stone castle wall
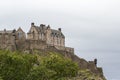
7	41
39	45
38	37
35	44
67	49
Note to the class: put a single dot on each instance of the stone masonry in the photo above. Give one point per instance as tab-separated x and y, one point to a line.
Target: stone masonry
43	38
38	37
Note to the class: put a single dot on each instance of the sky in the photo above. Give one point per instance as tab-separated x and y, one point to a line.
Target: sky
92	27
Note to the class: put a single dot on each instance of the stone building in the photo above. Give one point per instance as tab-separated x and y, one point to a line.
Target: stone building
9	38
45	33
20	35
38	37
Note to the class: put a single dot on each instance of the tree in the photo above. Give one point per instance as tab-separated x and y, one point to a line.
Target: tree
19	66
15	66
62	66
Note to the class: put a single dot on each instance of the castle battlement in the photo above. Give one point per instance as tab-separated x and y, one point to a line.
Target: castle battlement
38	37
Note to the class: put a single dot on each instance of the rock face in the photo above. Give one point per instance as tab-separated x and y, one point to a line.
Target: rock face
90	65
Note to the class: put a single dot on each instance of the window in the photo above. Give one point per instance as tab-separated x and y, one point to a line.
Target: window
57	40
19	34
33	34
42	36
39	36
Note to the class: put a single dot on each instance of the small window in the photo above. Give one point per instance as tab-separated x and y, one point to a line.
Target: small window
42	36
19	34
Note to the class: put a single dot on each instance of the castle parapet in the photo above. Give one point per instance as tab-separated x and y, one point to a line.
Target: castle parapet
67	49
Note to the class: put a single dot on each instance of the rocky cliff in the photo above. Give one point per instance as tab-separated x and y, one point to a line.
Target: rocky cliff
88	69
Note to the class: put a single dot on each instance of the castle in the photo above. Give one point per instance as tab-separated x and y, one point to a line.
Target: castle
38	37
43	38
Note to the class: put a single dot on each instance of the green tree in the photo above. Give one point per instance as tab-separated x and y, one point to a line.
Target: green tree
1	78
15	66
19	66
62	66
40	73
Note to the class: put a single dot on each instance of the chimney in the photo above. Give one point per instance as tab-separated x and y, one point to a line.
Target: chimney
32	24
4	30
42	25
59	29
14	30
48	27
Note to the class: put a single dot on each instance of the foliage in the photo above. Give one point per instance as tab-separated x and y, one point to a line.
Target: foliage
63	67
1	78
15	66
21	66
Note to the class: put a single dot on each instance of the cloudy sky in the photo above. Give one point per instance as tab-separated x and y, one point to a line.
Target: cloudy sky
92	27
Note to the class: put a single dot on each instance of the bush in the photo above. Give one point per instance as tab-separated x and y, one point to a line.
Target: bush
18	66
15	66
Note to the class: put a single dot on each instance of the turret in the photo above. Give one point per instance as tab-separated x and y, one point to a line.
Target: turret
4	30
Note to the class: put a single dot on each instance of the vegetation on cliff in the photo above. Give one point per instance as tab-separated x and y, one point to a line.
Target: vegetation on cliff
44	66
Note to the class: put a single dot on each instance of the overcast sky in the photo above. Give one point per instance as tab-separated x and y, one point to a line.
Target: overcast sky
92	27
